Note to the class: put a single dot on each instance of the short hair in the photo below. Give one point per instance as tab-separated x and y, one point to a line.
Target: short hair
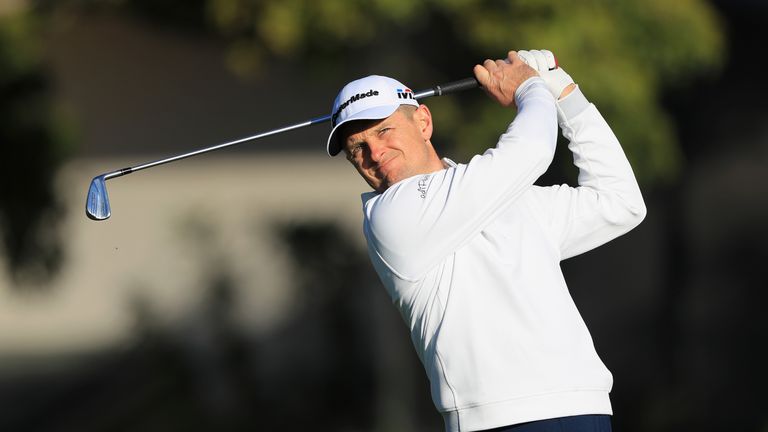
408	110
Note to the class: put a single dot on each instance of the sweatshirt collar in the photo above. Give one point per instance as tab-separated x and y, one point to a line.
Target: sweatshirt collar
365	196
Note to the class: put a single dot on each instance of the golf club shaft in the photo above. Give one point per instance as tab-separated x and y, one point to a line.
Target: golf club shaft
437	90
125	171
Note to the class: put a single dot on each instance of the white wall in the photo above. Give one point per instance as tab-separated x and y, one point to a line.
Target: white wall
145	249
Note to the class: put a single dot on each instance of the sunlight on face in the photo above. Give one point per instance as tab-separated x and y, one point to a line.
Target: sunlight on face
392	149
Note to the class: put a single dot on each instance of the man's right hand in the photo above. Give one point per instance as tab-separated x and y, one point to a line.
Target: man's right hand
501	78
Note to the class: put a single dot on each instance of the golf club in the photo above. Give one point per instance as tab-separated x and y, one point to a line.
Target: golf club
97	203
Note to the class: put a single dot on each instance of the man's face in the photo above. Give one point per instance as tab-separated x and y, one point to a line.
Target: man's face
392	149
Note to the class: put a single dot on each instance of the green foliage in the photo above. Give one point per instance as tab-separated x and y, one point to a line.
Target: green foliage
19	53
624	54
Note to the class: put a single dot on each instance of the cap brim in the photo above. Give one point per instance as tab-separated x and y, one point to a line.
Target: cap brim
333	146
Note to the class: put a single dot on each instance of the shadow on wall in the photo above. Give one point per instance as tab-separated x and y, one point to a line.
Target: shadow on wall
333	365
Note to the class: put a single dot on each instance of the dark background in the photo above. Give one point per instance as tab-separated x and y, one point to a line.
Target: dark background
675	306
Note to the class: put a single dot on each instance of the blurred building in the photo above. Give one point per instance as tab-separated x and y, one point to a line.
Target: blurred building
172	226
138	94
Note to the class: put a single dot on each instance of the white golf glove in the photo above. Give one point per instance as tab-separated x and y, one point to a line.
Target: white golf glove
544	62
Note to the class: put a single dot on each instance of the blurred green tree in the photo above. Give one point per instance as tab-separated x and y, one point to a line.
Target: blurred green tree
623	53
33	148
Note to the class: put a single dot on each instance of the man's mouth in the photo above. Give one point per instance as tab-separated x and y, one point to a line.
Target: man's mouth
382	169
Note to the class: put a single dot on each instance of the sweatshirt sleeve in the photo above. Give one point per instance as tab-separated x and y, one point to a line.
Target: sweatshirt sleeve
422	219
607	203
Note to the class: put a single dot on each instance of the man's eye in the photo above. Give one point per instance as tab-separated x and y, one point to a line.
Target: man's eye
383	130
357	148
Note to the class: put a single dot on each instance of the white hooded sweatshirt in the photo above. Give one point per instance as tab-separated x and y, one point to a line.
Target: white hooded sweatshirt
470	255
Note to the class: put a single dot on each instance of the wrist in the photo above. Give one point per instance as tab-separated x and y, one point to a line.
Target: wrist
566	91
527	86
571	105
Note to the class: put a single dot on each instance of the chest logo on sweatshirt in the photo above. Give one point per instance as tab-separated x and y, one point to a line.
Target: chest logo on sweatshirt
423	186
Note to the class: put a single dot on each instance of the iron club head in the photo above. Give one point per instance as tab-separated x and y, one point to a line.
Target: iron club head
97	203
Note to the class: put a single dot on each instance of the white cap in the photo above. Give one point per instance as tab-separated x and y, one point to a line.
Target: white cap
371	98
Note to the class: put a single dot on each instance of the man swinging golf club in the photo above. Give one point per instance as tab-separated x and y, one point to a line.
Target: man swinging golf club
470	253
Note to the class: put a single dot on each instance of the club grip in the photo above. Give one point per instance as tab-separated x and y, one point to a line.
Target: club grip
456	86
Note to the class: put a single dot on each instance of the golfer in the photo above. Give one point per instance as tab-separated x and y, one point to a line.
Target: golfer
470	253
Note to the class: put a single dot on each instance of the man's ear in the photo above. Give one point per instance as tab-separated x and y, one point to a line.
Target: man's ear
423	118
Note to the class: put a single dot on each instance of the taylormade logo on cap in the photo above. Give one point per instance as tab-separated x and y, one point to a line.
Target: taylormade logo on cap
371	98
354	98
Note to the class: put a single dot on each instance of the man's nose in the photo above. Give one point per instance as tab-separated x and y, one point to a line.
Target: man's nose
376	149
